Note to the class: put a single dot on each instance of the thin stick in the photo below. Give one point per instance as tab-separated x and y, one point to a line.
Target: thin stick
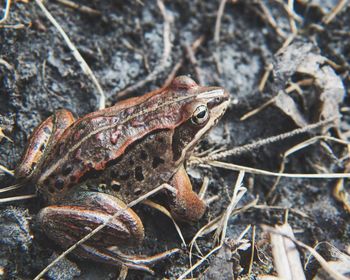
7	171
97	229
10	188
165	211
259	109
6	12
266	141
266	75
79	7
292	24
82	63
336	10
16	198
271	20
193	60
166	53
195	45
197	264
238	193
298	147
253	252
218	21
235	167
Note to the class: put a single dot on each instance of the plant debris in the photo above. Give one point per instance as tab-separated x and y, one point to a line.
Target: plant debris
286	65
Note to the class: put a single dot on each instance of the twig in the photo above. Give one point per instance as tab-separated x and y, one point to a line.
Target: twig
235	167
193	60
238	193
336	10
16	198
218	21
97	229
253	252
292	24
82	63
166	53
298	147
259	109
165	211
6	64
197	264
6	170
11	188
266	75
271	20
195	45
266	141
13	26
6	12
79	7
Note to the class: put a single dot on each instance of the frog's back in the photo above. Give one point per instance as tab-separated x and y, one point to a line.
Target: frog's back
100	140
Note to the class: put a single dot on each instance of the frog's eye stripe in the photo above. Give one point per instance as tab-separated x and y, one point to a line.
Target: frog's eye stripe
211	93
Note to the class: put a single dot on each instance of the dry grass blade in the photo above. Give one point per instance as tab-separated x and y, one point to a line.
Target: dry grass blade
273	208
6	11
97	229
266	75
299	147
82	63
335	274
165	211
336	10
7	171
218	21
16	198
285	254
2	135
253	252
238	193
79	7
11	188
197	264
221	223
235	167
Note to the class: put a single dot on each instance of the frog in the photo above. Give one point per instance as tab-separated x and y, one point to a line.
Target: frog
88	169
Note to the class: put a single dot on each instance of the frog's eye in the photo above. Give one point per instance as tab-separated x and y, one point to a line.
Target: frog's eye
200	115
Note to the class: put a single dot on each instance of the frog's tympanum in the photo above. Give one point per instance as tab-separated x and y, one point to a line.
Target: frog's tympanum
88	169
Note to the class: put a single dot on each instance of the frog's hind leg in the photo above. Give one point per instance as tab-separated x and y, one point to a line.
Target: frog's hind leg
43	136
71	221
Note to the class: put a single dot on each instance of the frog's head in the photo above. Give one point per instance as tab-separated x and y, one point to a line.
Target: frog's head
200	109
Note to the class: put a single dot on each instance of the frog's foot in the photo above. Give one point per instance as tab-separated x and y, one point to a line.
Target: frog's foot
75	218
114	256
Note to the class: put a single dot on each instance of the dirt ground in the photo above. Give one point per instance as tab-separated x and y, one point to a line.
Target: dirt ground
127	42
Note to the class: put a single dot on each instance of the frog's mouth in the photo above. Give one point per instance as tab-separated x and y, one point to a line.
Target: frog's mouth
217	100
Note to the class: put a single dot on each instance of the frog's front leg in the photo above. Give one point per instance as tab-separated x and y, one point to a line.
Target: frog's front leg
43	136
70	221
185	204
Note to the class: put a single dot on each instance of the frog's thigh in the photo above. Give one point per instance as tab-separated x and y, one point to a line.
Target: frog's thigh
186	204
50	129
71	221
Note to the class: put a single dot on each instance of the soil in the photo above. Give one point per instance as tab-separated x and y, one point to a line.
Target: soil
123	43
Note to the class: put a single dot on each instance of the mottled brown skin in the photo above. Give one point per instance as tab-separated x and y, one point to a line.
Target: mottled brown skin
130	149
